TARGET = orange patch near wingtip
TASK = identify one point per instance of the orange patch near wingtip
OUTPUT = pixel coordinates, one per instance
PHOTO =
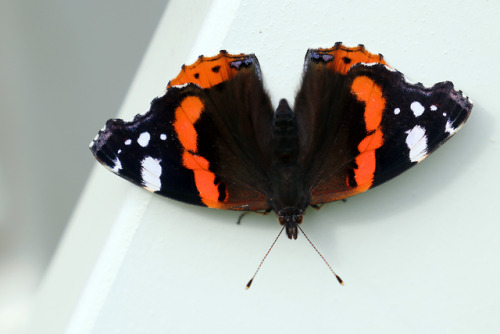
(207, 72)
(367, 91)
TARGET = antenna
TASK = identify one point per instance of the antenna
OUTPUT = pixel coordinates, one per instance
(261, 262)
(317, 251)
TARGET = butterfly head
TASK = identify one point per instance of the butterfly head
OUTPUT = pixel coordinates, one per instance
(290, 218)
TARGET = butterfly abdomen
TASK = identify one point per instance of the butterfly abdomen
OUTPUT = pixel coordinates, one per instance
(286, 172)
(285, 138)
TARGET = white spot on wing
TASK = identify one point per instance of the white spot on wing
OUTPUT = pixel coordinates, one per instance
(397, 111)
(143, 139)
(374, 64)
(128, 142)
(416, 140)
(434, 107)
(163, 136)
(118, 166)
(417, 108)
(151, 173)
(185, 85)
(449, 128)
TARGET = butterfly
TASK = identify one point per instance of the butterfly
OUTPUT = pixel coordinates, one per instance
(214, 138)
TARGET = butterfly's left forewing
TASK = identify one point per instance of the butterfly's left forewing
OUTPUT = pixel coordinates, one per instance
(205, 142)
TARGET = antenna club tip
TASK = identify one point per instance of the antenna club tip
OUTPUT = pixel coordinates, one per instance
(340, 280)
(248, 284)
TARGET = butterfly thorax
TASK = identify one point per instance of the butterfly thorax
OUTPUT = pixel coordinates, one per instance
(288, 198)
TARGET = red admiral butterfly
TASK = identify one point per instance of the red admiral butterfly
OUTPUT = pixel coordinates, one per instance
(215, 140)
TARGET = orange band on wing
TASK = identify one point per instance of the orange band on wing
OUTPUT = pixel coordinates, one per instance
(203, 177)
(366, 162)
(371, 94)
(367, 91)
(186, 115)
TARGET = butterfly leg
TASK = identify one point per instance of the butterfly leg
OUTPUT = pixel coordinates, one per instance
(317, 206)
(262, 213)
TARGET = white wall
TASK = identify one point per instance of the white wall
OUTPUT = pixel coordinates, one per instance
(418, 254)
(64, 67)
